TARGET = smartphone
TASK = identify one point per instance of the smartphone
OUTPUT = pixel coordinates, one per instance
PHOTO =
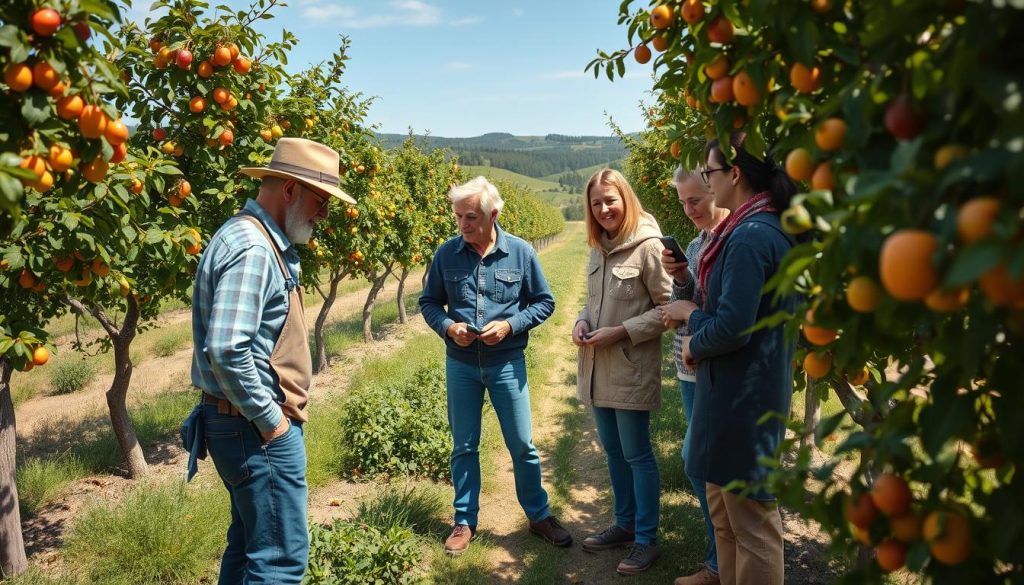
(673, 246)
(473, 328)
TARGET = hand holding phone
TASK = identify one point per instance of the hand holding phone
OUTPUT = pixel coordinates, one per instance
(673, 246)
(472, 328)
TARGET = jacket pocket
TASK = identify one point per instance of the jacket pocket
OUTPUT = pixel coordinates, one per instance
(457, 285)
(624, 370)
(507, 284)
(227, 449)
(625, 282)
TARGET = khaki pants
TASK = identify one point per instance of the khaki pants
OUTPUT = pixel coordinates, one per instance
(748, 535)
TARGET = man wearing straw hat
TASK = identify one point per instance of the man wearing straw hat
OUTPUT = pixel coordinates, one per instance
(252, 361)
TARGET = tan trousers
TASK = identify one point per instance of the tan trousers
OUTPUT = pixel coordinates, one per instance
(748, 535)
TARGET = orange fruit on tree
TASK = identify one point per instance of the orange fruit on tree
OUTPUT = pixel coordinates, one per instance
(155, 44)
(64, 264)
(116, 132)
(197, 104)
(168, 147)
(863, 535)
(948, 535)
(745, 90)
(948, 301)
(906, 527)
(891, 554)
(692, 11)
(720, 30)
(40, 356)
(676, 149)
(1001, 288)
(26, 279)
(661, 16)
(45, 21)
(18, 76)
(205, 69)
(136, 187)
(70, 107)
(822, 177)
(95, 171)
(821, 6)
(159, 134)
(948, 153)
(905, 264)
(860, 510)
(60, 158)
(817, 365)
(819, 335)
(242, 65)
(86, 278)
(659, 42)
(93, 122)
(830, 134)
(718, 67)
(975, 218)
(45, 76)
(221, 56)
(221, 95)
(266, 135)
(184, 188)
(642, 54)
(178, 150)
(721, 90)
(34, 163)
(226, 137)
(57, 91)
(43, 183)
(174, 200)
(233, 51)
(860, 378)
(891, 494)
(804, 79)
(799, 165)
(100, 268)
(863, 294)
(230, 104)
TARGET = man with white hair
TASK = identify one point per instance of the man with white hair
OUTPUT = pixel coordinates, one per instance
(484, 292)
(252, 363)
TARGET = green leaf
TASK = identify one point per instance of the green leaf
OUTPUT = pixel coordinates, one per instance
(972, 262)
(35, 108)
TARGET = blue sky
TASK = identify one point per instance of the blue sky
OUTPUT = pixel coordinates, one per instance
(463, 68)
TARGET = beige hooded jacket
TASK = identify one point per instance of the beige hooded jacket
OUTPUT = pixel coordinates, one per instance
(624, 287)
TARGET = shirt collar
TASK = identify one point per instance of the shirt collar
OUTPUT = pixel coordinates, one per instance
(500, 240)
(276, 233)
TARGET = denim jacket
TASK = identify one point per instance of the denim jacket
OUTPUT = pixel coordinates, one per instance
(505, 285)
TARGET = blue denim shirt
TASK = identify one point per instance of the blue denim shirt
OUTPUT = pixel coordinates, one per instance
(239, 306)
(506, 285)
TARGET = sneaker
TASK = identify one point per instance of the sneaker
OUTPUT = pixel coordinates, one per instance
(612, 537)
(702, 577)
(458, 541)
(638, 560)
(550, 530)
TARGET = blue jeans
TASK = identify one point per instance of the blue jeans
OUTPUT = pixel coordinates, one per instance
(510, 395)
(626, 438)
(268, 540)
(699, 486)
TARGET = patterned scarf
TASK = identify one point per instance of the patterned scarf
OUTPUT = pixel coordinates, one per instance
(760, 203)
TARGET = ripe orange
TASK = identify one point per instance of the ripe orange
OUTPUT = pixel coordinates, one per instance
(949, 537)
(799, 165)
(230, 104)
(863, 294)
(221, 56)
(860, 510)
(233, 51)
(184, 188)
(226, 137)
(642, 54)
(676, 149)
(659, 42)
(891, 495)
(830, 134)
(821, 6)
(70, 107)
(746, 91)
(45, 21)
(45, 76)
(95, 171)
(197, 104)
(266, 135)
(822, 177)
(116, 132)
(34, 163)
(948, 301)
(64, 264)
(804, 79)
(720, 30)
(975, 218)
(174, 200)
(18, 76)
(155, 44)
(60, 158)
(136, 187)
(721, 90)
(891, 554)
(167, 147)
(242, 65)
(93, 122)
(948, 153)
(906, 527)
(905, 264)
(40, 356)
(205, 69)
(817, 366)
(1000, 288)
(220, 95)
(100, 268)
(57, 91)
(819, 335)
(44, 182)
(159, 134)
(178, 150)
(860, 378)
(718, 67)
(661, 16)
(692, 11)
(26, 279)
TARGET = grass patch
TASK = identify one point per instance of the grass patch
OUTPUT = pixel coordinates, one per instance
(348, 332)
(159, 534)
(71, 375)
(172, 340)
(420, 507)
(36, 576)
(42, 480)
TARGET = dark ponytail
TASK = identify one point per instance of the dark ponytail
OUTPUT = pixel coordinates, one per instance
(761, 175)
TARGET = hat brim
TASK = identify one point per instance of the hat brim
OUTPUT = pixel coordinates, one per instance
(259, 172)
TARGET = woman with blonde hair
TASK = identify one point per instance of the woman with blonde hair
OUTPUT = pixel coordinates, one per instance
(619, 365)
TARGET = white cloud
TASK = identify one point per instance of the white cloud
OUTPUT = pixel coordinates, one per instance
(457, 66)
(518, 12)
(466, 20)
(573, 74)
(322, 12)
(396, 13)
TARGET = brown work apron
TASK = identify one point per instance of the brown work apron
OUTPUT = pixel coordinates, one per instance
(291, 359)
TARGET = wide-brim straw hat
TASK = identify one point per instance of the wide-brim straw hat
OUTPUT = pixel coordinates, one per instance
(310, 163)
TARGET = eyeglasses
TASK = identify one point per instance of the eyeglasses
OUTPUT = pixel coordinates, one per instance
(323, 201)
(705, 172)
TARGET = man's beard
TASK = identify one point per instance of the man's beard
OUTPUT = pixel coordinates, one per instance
(298, 230)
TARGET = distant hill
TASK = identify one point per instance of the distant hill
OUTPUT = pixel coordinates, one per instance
(533, 156)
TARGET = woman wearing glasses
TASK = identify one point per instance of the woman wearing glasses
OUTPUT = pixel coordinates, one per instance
(699, 206)
(742, 375)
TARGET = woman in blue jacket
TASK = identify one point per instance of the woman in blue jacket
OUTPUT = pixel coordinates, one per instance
(742, 375)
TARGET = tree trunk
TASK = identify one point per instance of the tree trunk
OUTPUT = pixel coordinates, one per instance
(320, 359)
(117, 394)
(426, 270)
(812, 414)
(403, 318)
(12, 544)
(371, 299)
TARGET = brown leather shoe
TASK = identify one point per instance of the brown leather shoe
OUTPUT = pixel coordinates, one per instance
(702, 577)
(458, 541)
(550, 530)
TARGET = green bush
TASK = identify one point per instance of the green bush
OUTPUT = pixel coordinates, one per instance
(398, 429)
(163, 534)
(71, 375)
(350, 553)
(41, 480)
